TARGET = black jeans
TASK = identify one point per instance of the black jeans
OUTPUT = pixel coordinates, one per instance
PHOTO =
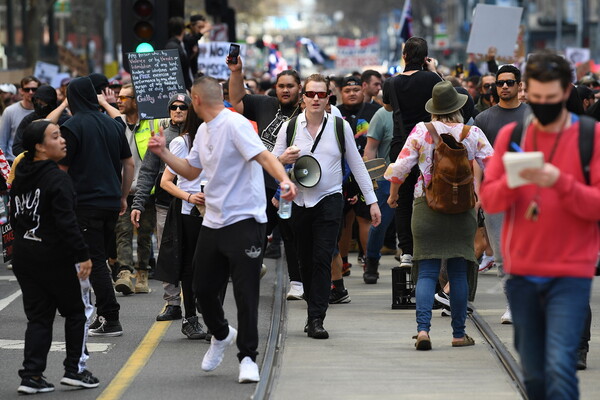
(98, 227)
(237, 250)
(316, 232)
(47, 288)
(404, 212)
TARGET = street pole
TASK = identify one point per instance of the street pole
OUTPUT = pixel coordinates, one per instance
(559, 25)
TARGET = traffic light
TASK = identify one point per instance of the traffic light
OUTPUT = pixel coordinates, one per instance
(144, 25)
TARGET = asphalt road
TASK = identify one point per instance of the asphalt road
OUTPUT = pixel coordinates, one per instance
(162, 368)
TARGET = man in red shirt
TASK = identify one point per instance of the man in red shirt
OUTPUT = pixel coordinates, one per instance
(550, 234)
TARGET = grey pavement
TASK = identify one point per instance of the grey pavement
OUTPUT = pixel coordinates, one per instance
(370, 353)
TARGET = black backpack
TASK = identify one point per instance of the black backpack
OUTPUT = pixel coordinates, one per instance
(339, 134)
(587, 126)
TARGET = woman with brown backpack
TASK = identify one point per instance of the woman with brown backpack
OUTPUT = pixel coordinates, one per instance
(444, 219)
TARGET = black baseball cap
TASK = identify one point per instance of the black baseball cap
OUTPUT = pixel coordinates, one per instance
(351, 81)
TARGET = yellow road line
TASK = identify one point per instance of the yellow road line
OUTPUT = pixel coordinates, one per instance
(138, 359)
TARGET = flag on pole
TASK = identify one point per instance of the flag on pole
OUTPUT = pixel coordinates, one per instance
(406, 20)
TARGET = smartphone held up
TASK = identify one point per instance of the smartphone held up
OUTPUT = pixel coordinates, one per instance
(234, 53)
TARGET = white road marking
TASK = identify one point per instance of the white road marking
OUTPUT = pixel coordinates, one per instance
(10, 278)
(7, 300)
(56, 346)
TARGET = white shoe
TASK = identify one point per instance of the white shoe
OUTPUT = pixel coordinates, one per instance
(248, 371)
(214, 356)
(487, 262)
(296, 291)
(506, 318)
(263, 270)
(406, 260)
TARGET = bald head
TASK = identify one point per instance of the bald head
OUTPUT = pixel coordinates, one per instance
(208, 90)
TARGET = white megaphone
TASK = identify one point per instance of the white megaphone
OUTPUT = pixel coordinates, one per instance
(306, 171)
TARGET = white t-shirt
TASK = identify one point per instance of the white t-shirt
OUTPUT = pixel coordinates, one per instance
(180, 147)
(224, 149)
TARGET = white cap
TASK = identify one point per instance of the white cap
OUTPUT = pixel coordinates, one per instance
(8, 88)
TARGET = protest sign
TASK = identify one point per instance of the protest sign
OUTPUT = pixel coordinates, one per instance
(212, 56)
(156, 77)
(8, 237)
(354, 54)
(45, 72)
(484, 31)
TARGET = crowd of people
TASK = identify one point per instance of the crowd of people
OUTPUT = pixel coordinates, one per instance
(90, 177)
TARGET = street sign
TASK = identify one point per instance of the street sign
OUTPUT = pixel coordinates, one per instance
(62, 9)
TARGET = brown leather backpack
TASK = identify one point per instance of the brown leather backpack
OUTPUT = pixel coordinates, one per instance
(451, 189)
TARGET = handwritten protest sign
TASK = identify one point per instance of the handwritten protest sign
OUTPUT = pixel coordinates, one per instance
(211, 58)
(156, 77)
(484, 32)
(354, 54)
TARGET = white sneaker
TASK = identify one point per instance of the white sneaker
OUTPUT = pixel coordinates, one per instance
(214, 355)
(506, 318)
(296, 291)
(487, 262)
(406, 260)
(263, 270)
(248, 371)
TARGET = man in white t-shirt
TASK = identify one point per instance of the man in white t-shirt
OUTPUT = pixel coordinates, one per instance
(231, 155)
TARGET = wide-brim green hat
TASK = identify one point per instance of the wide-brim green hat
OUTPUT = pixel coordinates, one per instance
(445, 99)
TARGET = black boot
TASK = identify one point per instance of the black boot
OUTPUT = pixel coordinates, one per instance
(315, 329)
(581, 359)
(371, 275)
(170, 313)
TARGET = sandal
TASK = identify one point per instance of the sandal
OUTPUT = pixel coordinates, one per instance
(466, 341)
(423, 342)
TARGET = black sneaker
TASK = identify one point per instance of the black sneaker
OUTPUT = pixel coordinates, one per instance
(192, 328)
(339, 296)
(443, 298)
(208, 336)
(107, 328)
(83, 379)
(170, 313)
(95, 323)
(30, 385)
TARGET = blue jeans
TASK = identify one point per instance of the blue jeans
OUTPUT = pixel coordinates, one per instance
(377, 234)
(548, 319)
(429, 270)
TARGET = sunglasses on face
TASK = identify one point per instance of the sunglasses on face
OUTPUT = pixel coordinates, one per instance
(312, 94)
(174, 107)
(487, 86)
(124, 98)
(509, 83)
(30, 89)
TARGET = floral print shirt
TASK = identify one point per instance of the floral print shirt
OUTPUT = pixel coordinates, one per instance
(419, 146)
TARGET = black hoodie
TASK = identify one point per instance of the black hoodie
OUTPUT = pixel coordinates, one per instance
(96, 144)
(48, 95)
(42, 216)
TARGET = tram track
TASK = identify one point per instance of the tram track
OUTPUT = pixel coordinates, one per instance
(506, 359)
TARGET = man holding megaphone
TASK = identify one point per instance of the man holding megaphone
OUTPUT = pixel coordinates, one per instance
(317, 209)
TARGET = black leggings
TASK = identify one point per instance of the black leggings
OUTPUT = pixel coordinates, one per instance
(190, 227)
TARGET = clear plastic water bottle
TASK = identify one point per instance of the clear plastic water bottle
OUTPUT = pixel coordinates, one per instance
(285, 206)
(3, 214)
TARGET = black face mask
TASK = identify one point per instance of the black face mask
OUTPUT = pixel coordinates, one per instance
(41, 110)
(547, 113)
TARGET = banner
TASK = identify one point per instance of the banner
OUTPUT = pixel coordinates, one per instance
(353, 54)
(212, 58)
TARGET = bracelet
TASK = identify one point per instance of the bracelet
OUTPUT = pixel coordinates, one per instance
(190, 195)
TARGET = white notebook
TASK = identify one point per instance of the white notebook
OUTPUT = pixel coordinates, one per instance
(514, 163)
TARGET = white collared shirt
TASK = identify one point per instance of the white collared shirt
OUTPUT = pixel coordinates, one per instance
(328, 155)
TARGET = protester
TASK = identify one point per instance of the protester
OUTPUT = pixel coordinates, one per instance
(550, 236)
(50, 260)
(438, 235)
(231, 154)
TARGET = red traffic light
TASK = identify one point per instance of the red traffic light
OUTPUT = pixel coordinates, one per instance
(143, 8)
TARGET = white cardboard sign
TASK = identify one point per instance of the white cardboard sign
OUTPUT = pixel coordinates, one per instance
(495, 26)
(211, 58)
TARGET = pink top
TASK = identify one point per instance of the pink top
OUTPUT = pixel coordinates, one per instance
(419, 149)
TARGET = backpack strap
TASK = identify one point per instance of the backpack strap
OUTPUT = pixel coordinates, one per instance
(290, 133)
(339, 135)
(465, 132)
(434, 135)
(515, 137)
(587, 128)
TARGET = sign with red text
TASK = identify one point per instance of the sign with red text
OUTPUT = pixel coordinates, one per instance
(353, 54)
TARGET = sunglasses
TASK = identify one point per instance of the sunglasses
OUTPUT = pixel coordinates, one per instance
(488, 85)
(174, 107)
(30, 89)
(124, 98)
(312, 94)
(509, 83)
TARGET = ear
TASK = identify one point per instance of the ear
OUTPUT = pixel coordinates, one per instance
(39, 148)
